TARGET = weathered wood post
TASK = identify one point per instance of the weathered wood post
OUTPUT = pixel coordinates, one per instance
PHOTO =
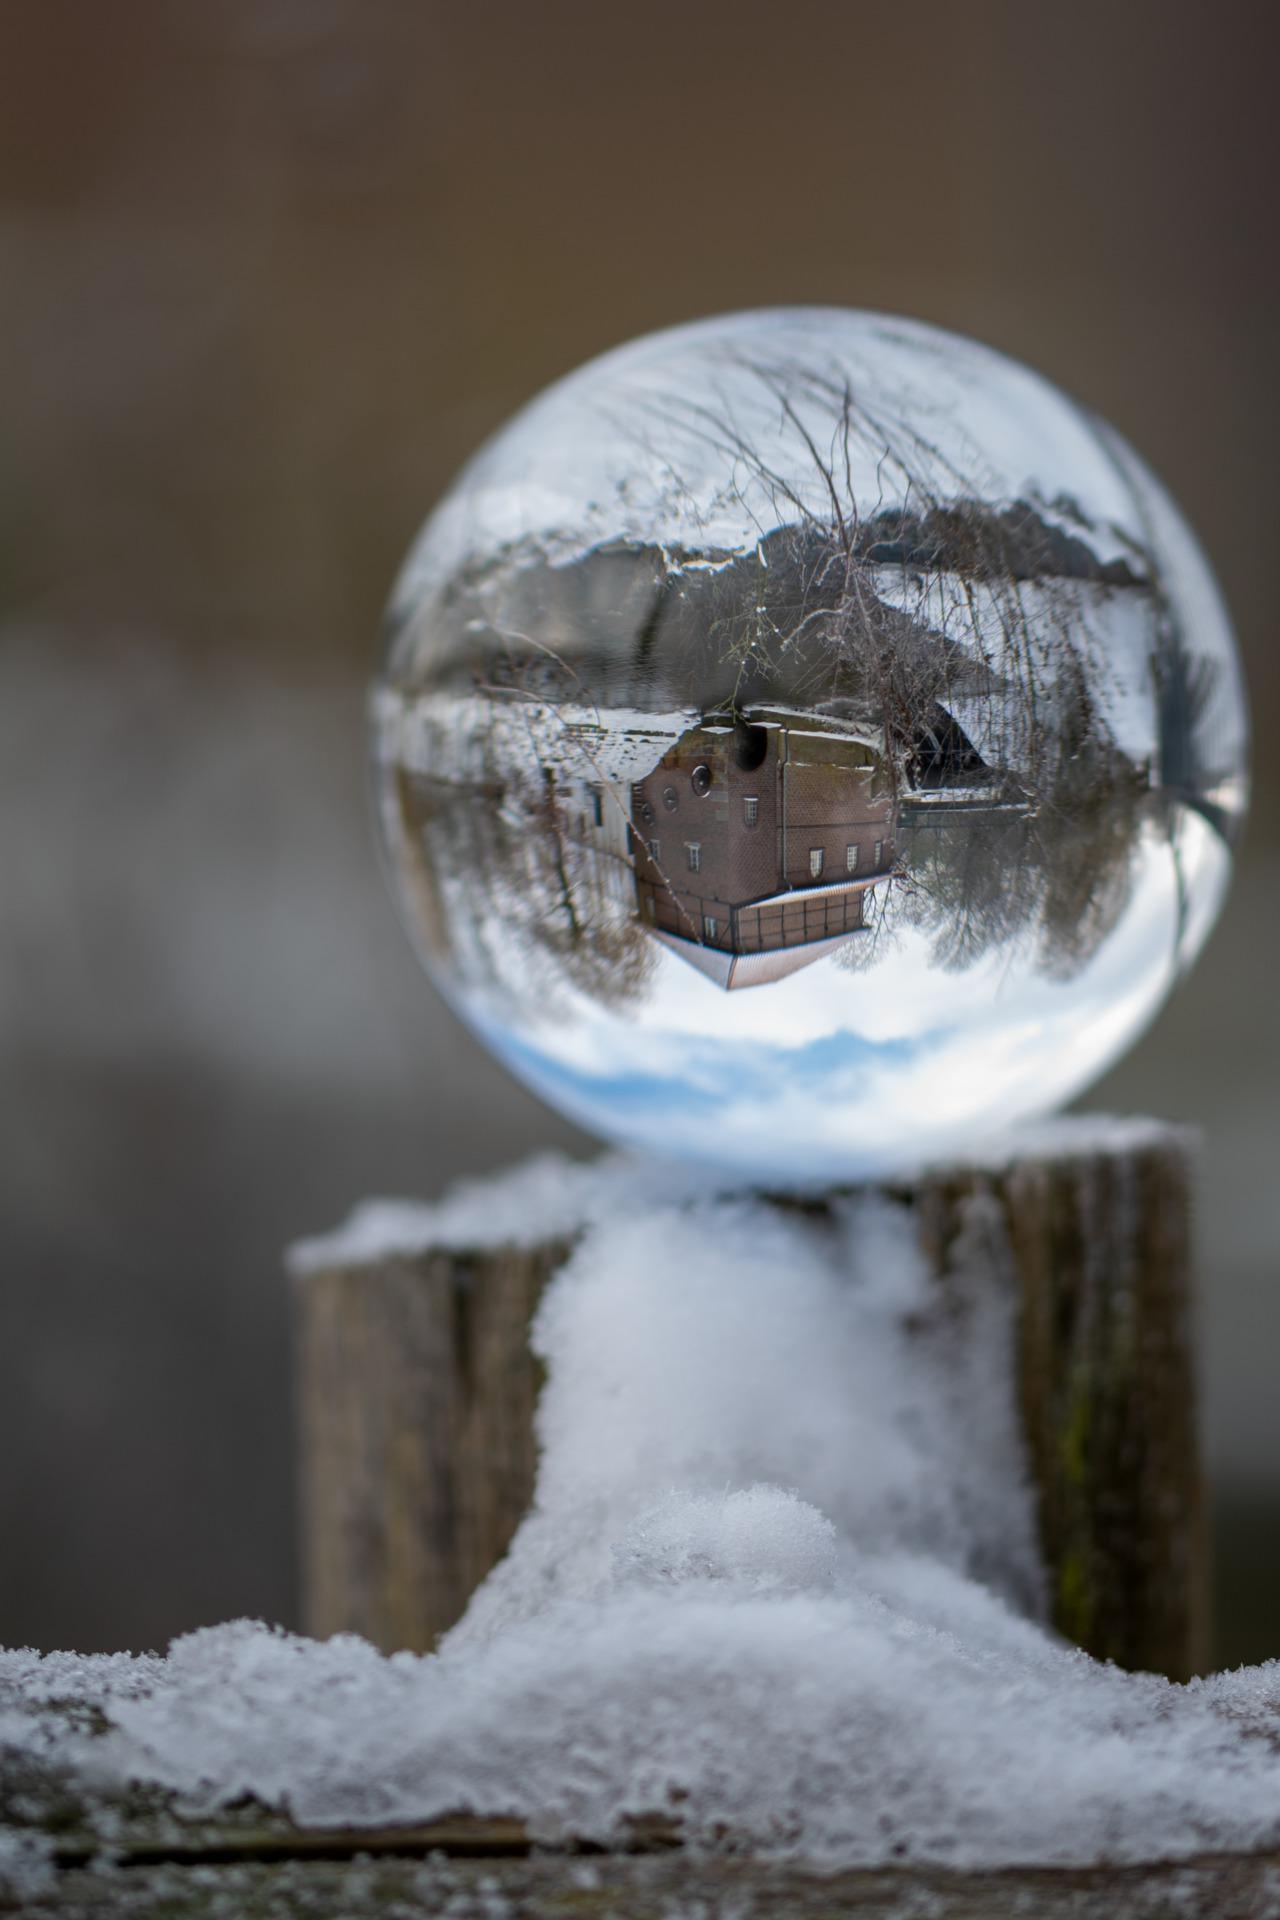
(417, 1390)
(418, 1395)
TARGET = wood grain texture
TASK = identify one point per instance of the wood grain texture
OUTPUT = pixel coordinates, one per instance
(137, 1852)
(1099, 1246)
(416, 1398)
(670, 1887)
(417, 1392)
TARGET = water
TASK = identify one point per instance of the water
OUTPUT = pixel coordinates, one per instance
(806, 741)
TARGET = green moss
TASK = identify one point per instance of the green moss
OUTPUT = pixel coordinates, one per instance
(1075, 1438)
(1073, 1613)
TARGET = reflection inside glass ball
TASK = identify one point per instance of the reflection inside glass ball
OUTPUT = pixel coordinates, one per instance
(807, 740)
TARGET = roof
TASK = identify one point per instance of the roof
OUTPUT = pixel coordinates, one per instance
(729, 970)
(790, 895)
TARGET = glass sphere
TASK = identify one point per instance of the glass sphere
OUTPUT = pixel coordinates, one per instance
(807, 740)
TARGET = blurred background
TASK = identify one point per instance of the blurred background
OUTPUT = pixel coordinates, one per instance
(269, 270)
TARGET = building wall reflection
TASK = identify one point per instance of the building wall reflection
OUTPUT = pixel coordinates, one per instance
(755, 845)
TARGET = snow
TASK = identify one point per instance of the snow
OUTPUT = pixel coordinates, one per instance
(552, 1197)
(27, 1871)
(779, 1579)
(549, 1197)
(461, 737)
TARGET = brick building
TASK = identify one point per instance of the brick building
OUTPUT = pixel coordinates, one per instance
(754, 847)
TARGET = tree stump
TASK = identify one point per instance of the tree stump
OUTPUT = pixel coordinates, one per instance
(417, 1389)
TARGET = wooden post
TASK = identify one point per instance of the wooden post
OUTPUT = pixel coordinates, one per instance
(417, 1391)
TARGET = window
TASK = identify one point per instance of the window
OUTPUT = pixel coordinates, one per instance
(700, 781)
(670, 799)
(694, 850)
(816, 862)
(879, 853)
(709, 926)
(751, 809)
(851, 857)
(654, 847)
(597, 806)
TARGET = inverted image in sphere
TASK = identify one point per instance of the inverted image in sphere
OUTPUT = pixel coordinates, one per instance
(806, 741)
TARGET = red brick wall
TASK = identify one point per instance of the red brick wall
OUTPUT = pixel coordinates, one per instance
(834, 795)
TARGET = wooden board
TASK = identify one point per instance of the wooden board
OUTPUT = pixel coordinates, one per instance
(137, 1855)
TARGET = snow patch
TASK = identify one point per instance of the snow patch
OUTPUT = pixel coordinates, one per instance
(551, 1197)
(27, 1870)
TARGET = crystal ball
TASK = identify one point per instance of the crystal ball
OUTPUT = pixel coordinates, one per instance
(806, 741)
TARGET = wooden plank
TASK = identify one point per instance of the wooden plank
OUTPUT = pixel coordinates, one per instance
(650, 1887)
(135, 1852)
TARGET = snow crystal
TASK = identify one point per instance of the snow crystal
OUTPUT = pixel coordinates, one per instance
(766, 1539)
(779, 1579)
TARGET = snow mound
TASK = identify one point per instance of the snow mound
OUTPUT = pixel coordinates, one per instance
(761, 1539)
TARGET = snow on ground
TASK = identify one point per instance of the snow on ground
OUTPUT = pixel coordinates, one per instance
(779, 1578)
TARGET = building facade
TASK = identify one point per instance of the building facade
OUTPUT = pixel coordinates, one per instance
(754, 847)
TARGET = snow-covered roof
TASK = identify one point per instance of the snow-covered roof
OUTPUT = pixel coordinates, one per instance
(729, 970)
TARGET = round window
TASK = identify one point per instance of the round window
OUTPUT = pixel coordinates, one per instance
(700, 781)
(670, 799)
